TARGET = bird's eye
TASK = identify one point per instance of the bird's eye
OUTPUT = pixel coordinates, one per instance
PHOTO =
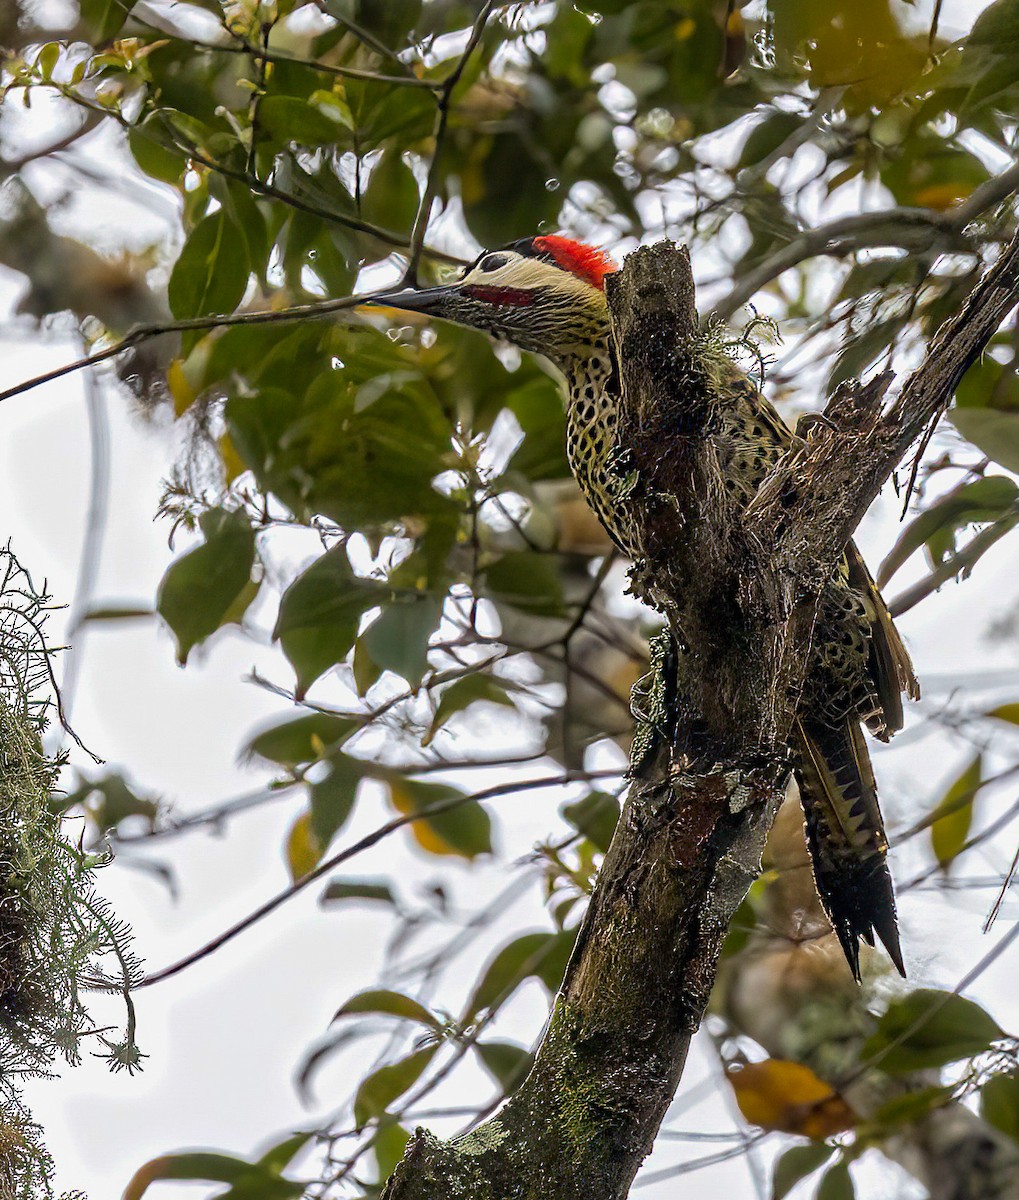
(492, 262)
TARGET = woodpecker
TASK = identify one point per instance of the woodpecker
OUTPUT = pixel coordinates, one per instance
(546, 294)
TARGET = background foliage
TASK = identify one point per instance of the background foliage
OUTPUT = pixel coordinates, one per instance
(849, 168)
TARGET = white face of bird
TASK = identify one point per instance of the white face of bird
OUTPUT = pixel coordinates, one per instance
(544, 294)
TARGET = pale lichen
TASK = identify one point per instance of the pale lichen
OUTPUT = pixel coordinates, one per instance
(479, 1141)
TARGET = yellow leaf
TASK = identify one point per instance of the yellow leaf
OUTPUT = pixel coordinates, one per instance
(303, 849)
(233, 464)
(421, 831)
(180, 387)
(789, 1097)
(1005, 712)
(942, 196)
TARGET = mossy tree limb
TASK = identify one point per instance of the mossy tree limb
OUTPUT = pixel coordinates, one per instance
(740, 594)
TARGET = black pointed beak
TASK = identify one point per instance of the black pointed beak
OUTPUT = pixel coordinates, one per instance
(431, 301)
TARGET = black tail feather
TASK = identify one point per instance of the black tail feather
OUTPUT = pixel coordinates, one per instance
(846, 836)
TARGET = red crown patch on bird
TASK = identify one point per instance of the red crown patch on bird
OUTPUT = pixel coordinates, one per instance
(586, 262)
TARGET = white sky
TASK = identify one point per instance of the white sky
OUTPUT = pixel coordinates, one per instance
(224, 1038)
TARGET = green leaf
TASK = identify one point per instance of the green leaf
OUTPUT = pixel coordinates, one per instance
(388, 1004)
(542, 452)
(465, 692)
(49, 56)
(506, 1062)
(380, 113)
(953, 815)
(398, 640)
(912, 1107)
(465, 829)
(155, 151)
(332, 798)
(339, 890)
(767, 135)
(246, 219)
(999, 1103)
(195, 1164)
(118, 612)
(249, 1181)
(742, 925)
(981, 501)
(526, 580)
(390, 1142)
(796, 1164)
(303, 740)
(211, 275)
(532, 955)
(495, 213)
(392, 22)
(287, 119)
(105, 18)
(320, 614)
(836, 1183)
(391, 197)
(388, 1083)
(997, 27)
(210, 586)
(929, 1028)
(994, 433)
(280, 1156)
(594, 816)
(109, 800)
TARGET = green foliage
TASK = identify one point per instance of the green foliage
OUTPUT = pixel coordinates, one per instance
(540, 956)
(928, 1028)
(595, 817)
(212, 585)
(259, 1180)
(451, 822)
(507, 1063)
(303, 739)
(836, 1183)
(999, 1103)
(995, 433)
(795, 1164)
(953, 816)
(344, 890)
(320, 614)
(378, 1091)
(463, 693)
(936, 527)
(390, 1004)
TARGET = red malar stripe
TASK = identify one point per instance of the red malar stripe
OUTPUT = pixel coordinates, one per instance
(499, 295)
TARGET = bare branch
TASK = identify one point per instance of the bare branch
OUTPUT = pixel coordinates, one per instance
(144, 333)
(424, 212)
(915, 229)
(371, 839)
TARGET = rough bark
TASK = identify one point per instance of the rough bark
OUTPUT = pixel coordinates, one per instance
(710, 766)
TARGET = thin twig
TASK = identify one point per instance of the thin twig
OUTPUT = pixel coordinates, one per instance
(95, 529)
(144, 333)
(366, 843)
(341, 72)
(424, 212)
